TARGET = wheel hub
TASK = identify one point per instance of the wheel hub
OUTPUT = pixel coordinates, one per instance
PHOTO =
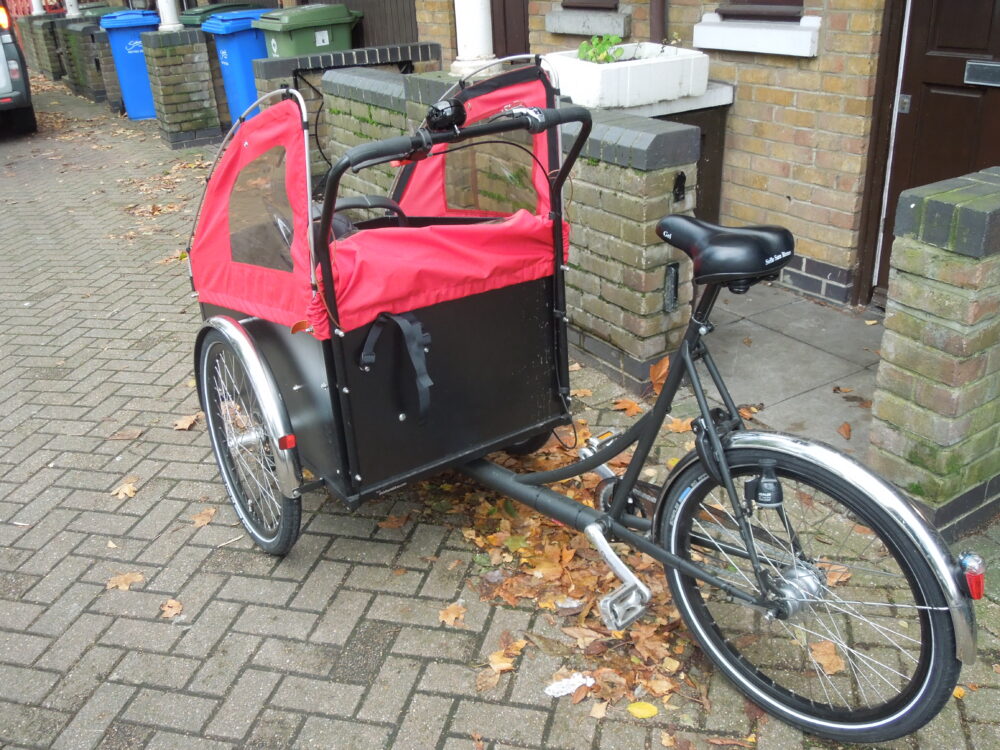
(799, 587)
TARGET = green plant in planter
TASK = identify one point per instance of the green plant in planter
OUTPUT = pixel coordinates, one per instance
(601, 49)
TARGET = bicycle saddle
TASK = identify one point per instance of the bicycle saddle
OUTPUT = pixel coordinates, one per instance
(728, 254)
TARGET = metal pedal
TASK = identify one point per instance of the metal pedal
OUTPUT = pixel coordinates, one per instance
(627, 603)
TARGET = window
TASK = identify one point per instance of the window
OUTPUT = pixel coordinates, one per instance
(772, 10)
(591, 4)
(260, 217)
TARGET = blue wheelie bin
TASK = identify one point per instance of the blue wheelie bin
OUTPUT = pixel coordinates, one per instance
(238, 44)
(124, 28)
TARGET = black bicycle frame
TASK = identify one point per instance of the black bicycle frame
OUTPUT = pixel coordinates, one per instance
(615, 522)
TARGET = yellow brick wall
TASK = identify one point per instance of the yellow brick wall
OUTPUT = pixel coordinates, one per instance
(798, 133)
(436, 23)
(542, 42)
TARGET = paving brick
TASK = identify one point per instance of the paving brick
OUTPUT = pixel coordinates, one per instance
(30, 725)
(273, 621)
(296, 656)
(274, 729)
(154, 670)
(340, 617)
(244, 702)
(424, 722)
(390, 690)
(90, 723)
(221, 669)
(500, 722)
(341, 735)
(186, 713)
(83, 678)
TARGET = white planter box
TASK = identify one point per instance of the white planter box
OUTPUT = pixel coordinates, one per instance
(646, 73)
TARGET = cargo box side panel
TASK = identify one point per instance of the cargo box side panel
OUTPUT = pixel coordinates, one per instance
(492, 360)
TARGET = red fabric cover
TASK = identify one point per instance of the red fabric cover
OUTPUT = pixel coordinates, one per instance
(424, 194)
(398, 269)
(278, 296)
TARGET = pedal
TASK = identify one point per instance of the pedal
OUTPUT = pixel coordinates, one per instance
(627, 603)
(593, 445)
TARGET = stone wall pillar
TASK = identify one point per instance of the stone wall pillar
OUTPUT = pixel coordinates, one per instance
(474, 34)
(936, 410)
(27, 38)
(104, 62)
(46, 48)
(181, 80)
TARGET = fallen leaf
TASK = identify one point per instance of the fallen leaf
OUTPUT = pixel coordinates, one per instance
(112, 545)
(825, 654)
(667, 739)
(500, 662)
(170, 608)
(580, 694)
(599, 710)
(845, 430)
(729, 742)
(399, 571)
(477, 741)
(959, 692)
(835, 573)
(186, 423)
(581, 392)
(126, 489)
(643, 710)
(839, 389)
(203, 517)
(630, 407)
(678, 425)
(124, 581)
(454, 564)
(129, 433)
(996, 668)
(575, 367)
(394, 522)
(865, 404)
(747, 341)
(658, 374)
(487, 679)
(453, 615)
(871, 322)
(191, 383)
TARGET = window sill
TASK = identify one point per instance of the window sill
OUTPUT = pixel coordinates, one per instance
(768, 37)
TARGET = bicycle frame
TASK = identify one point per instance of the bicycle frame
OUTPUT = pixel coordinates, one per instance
(527, 488)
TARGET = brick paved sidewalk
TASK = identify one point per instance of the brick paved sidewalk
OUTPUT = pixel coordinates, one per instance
(326, 648)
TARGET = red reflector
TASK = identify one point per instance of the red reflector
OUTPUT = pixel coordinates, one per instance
(6, 100)
(4, 19)
(976, 583)
(286, 442)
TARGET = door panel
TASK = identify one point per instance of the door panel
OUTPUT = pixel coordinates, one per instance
(510, 27)
(951, 127)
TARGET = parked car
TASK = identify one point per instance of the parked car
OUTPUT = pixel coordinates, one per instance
(16, 111)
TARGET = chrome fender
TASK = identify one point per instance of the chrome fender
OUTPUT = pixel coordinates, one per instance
(273, 409)
(899, 508)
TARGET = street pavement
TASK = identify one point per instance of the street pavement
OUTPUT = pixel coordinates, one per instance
(329, 647)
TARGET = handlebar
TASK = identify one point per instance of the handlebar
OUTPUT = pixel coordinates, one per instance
(533, 120)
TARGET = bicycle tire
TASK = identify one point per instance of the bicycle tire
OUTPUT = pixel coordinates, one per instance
(857, 583)
(244, 448)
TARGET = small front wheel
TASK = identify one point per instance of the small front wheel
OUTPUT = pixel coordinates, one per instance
(244, 447)
(862, 647)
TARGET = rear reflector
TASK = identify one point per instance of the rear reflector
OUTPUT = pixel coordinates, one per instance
(4, 18)
(286, 442)
(974, 568)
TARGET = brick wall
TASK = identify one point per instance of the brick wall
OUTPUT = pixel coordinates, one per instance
(936, 411)
(181, 80)
(798, 137)
(619, 272)
(46, 50)
(542, 41)
(27, 38)
(436, 23)
(105, 62)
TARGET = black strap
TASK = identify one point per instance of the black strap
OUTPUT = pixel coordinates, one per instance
(417, 343)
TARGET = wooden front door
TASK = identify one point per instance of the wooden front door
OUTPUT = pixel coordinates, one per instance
(510, 27)
(945, 127)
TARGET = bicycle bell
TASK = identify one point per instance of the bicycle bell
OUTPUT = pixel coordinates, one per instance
(447, 114)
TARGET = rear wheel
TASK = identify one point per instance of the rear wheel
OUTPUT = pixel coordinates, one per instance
(864, 649)
(244, 447)
(21, 121)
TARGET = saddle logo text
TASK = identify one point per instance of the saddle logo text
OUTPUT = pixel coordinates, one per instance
(779, 256)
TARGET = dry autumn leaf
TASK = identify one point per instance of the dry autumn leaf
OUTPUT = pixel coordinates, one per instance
(835, 573)
(667, 739)
(630, 407)
(171, 608)
(845, 430)
(658, 374)
(643, 710)
(203, 517)
(124, 581)
(394, 522)
(487, 679)
(599, 710)
(581, 392)
(126, 489)
(959, 692)
(453, 615)
(825, 654)
(580, 694)
(186, 423)
(678, 425)
(839, 389)
(747, 341)
(575, 367)
(871, 322)
(128, 433)
(477, 741)
(729, 742)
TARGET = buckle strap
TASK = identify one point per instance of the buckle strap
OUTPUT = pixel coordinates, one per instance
(417, 342)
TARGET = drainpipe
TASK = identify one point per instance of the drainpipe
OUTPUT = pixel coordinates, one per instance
(72, 8)
(474, 36)
(169, 18)
(658, 13)
(37, 9)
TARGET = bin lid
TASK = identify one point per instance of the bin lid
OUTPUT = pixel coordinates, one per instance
(304, 16)
(123, 19)
(232, 21)
(197, 16)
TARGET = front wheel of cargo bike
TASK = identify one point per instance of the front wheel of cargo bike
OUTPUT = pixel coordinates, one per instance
(868, 651)
(244, 448)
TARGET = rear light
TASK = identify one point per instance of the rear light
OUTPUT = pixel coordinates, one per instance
(15, 70)
(286, 442)
(4, 19)
(974, 569)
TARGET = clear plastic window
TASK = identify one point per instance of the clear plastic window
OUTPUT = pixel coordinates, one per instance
(260, 216)
(492, 175)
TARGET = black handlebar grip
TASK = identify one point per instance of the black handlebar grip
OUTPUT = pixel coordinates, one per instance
(399, 147)
(553, 117)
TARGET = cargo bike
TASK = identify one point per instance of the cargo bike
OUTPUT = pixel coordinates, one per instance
(358, 353)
